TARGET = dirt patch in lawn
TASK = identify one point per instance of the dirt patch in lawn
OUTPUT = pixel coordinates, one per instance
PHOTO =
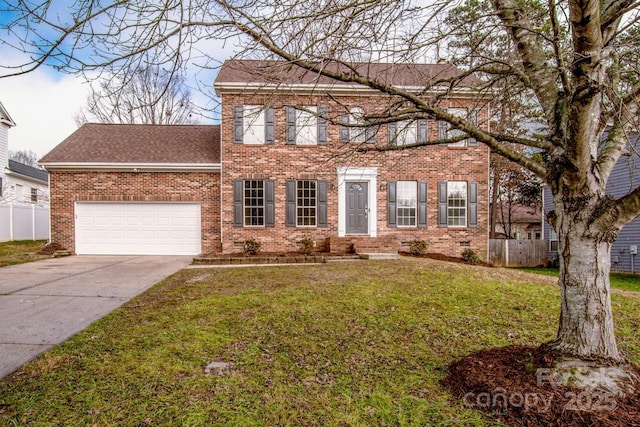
(510, 382)
(441, 257)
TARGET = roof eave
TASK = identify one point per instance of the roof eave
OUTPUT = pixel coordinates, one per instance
(9, 172)
(337, 89)
(132, 167)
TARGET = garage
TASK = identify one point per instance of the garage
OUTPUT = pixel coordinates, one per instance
(137, 228)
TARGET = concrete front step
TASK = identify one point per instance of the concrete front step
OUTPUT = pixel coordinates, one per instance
(379, 255)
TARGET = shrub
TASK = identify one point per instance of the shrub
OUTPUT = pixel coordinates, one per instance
(252, 246)
(306, 245)
(418, 247)
(470, 256)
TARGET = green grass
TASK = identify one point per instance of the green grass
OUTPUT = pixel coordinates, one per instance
(626, 282)
(342, 344)
(20, 251)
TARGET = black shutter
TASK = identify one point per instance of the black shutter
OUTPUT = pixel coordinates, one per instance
(322, 204)
(423, 130)
(291, 125)
(269, 204)
(344, 129)
(442, 204)
(269, 126)
(238, 124)
(391, 133)
(322, 125)
(238, 198)
(473, 204)
(290, 220)
(370, 133)
(422, 204)
(392, 220)
(443, 127)
(473, 118)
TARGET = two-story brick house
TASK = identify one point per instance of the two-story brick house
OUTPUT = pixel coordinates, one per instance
(286, 167)
(293, 171)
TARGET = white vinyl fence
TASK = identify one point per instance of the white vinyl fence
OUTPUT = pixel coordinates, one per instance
(23, 222)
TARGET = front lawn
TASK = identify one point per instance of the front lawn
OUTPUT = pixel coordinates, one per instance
(626, 282)
(361, 343)
(21, 251)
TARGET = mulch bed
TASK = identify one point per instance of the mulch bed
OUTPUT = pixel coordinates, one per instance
(441, 257)
(50, 249)
(510, 383)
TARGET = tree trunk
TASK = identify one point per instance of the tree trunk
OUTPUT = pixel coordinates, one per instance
(586, 329)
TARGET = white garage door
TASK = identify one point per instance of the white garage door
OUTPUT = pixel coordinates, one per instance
(137, 228)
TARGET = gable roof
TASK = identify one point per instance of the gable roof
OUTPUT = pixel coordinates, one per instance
(112, 145)
(28, 171)
(234, 73)
(5, 117)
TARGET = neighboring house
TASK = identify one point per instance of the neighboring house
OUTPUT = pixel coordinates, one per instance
(280, 168)
(19, 183)
(624, 178)
(518, 222)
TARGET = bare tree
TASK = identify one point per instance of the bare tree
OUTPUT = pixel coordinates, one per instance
(26, 157)
(571, 61)
(149, 95)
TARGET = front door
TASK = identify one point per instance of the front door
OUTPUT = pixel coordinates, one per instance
(357, 207)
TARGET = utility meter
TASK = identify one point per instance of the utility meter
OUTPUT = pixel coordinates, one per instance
(633, 249)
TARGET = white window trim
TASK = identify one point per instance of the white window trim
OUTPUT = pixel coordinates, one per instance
(452, 133)
(398, 207)
(253, 118)
(309, 116)
(369, 175)
(466, 207)
(403, 128)
(298, 181)
(356, 117)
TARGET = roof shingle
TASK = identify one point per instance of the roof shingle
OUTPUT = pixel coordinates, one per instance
(281, 72)
(30, 171)
(123, 143)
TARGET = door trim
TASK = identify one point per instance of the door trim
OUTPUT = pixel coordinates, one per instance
(369, 175)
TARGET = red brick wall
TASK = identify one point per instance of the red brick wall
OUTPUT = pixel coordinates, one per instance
(282, 162)
(69, 187)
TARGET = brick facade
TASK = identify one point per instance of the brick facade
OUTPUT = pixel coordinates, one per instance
(69, 187)
(281, 162)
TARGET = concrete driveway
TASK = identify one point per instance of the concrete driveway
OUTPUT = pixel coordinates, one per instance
(45, 302)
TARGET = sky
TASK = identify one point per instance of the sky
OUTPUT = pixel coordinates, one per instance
(42, 104)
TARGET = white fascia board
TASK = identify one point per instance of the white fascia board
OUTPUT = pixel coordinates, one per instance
(338, 89)
(9, 172)
(134, 167)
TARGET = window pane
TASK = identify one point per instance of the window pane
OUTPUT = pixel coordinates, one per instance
(453, 133)
(306, 203)
(307, 126)
(356, 116)
(406, 132)
(406, 200)
(457, 203)
(254, 202)
(253, 121)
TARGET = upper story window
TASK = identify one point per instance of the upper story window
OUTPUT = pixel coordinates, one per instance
(353, 129)
(307, 125)
(407, 132)
(457, 204)
(253, 124)
(446, 131)
(34, 195)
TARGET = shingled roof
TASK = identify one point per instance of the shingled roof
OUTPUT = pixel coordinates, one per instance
(28, 171)
(281, 72)
(138, 144)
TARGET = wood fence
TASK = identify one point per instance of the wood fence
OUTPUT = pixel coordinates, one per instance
(518, 253)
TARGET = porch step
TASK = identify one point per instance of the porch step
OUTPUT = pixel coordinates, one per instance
(379, 256)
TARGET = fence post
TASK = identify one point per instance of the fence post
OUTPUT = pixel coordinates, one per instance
(11, 233)
(33, 222)
(506, 252)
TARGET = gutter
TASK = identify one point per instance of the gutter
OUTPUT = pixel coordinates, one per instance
(132, 167)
